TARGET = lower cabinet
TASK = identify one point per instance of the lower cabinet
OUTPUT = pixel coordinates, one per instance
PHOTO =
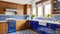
(3, 28)
(49, 29)
(51, 26)
(58, 26)
(20, 25)
(27, 24)
(34, 25)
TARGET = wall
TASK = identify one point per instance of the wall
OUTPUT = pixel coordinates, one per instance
(34, 6)
(4, 5)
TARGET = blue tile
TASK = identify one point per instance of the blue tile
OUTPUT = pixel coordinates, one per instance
(17, 17)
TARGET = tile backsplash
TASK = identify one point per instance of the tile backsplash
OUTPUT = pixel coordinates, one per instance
(57, 16)
(17, 17)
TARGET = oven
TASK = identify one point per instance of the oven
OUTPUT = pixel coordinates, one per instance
(11, 26)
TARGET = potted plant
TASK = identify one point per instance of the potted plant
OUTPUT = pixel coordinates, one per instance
(33, 16)
(49, 15)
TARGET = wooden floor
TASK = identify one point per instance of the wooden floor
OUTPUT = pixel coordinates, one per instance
(25, 32)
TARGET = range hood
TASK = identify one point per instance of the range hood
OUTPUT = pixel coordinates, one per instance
(11, 9)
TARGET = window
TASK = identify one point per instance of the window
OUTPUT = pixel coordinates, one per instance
(40, 11)
(47, 10)
(44, 9)
(34, 11)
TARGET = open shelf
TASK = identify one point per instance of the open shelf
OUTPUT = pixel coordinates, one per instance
(56, 6)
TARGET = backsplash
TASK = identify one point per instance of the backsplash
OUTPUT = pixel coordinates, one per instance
(57, 16)
(17, 17)
(48, 19)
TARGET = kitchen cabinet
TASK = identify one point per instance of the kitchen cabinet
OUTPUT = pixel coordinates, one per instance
(3, 28)
(51, 26)
(57, 26)
(40, 28)
(55, 6)
(20, 25)
(27, 24)
(27, 9)
(4, 5)
(34, 25)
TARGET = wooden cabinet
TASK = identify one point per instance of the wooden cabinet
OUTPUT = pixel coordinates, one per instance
(3, 28)
(4, 5)
(27, 24)
(55, 6)
(20, 25)
(27, 9)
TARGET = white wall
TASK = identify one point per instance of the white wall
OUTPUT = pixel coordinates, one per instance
(19, 1)
(34, 6)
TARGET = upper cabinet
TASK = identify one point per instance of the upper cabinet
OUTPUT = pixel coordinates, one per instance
(27, 9)
(4, 5)
(56, 6)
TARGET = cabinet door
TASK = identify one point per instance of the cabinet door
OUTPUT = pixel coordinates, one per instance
(20, 25)
(57, 26)
(3, 28)
(27, 24)
(51, 26)
(34, 24)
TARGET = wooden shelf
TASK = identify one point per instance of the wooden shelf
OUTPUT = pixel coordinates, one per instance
(56, 6)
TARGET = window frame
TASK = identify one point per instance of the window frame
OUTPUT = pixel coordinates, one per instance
(43, 8)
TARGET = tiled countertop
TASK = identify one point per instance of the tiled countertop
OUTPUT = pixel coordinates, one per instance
(53, 22)
(6, 20)
(3, 21)
(45, 21)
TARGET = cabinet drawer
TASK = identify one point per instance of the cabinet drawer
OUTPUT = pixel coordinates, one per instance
(52, 26)
(57, 26)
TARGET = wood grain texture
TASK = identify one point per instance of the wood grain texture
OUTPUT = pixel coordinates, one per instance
(27, 24)
(3, 28)
(52, 8)
(26, 8)
(4, 5)
(20, 25)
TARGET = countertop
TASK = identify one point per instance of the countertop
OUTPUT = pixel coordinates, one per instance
(45, 21)
(15, 20)
(3, 21)
(53, 22)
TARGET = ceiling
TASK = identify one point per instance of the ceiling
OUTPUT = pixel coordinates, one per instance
(20, 1)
